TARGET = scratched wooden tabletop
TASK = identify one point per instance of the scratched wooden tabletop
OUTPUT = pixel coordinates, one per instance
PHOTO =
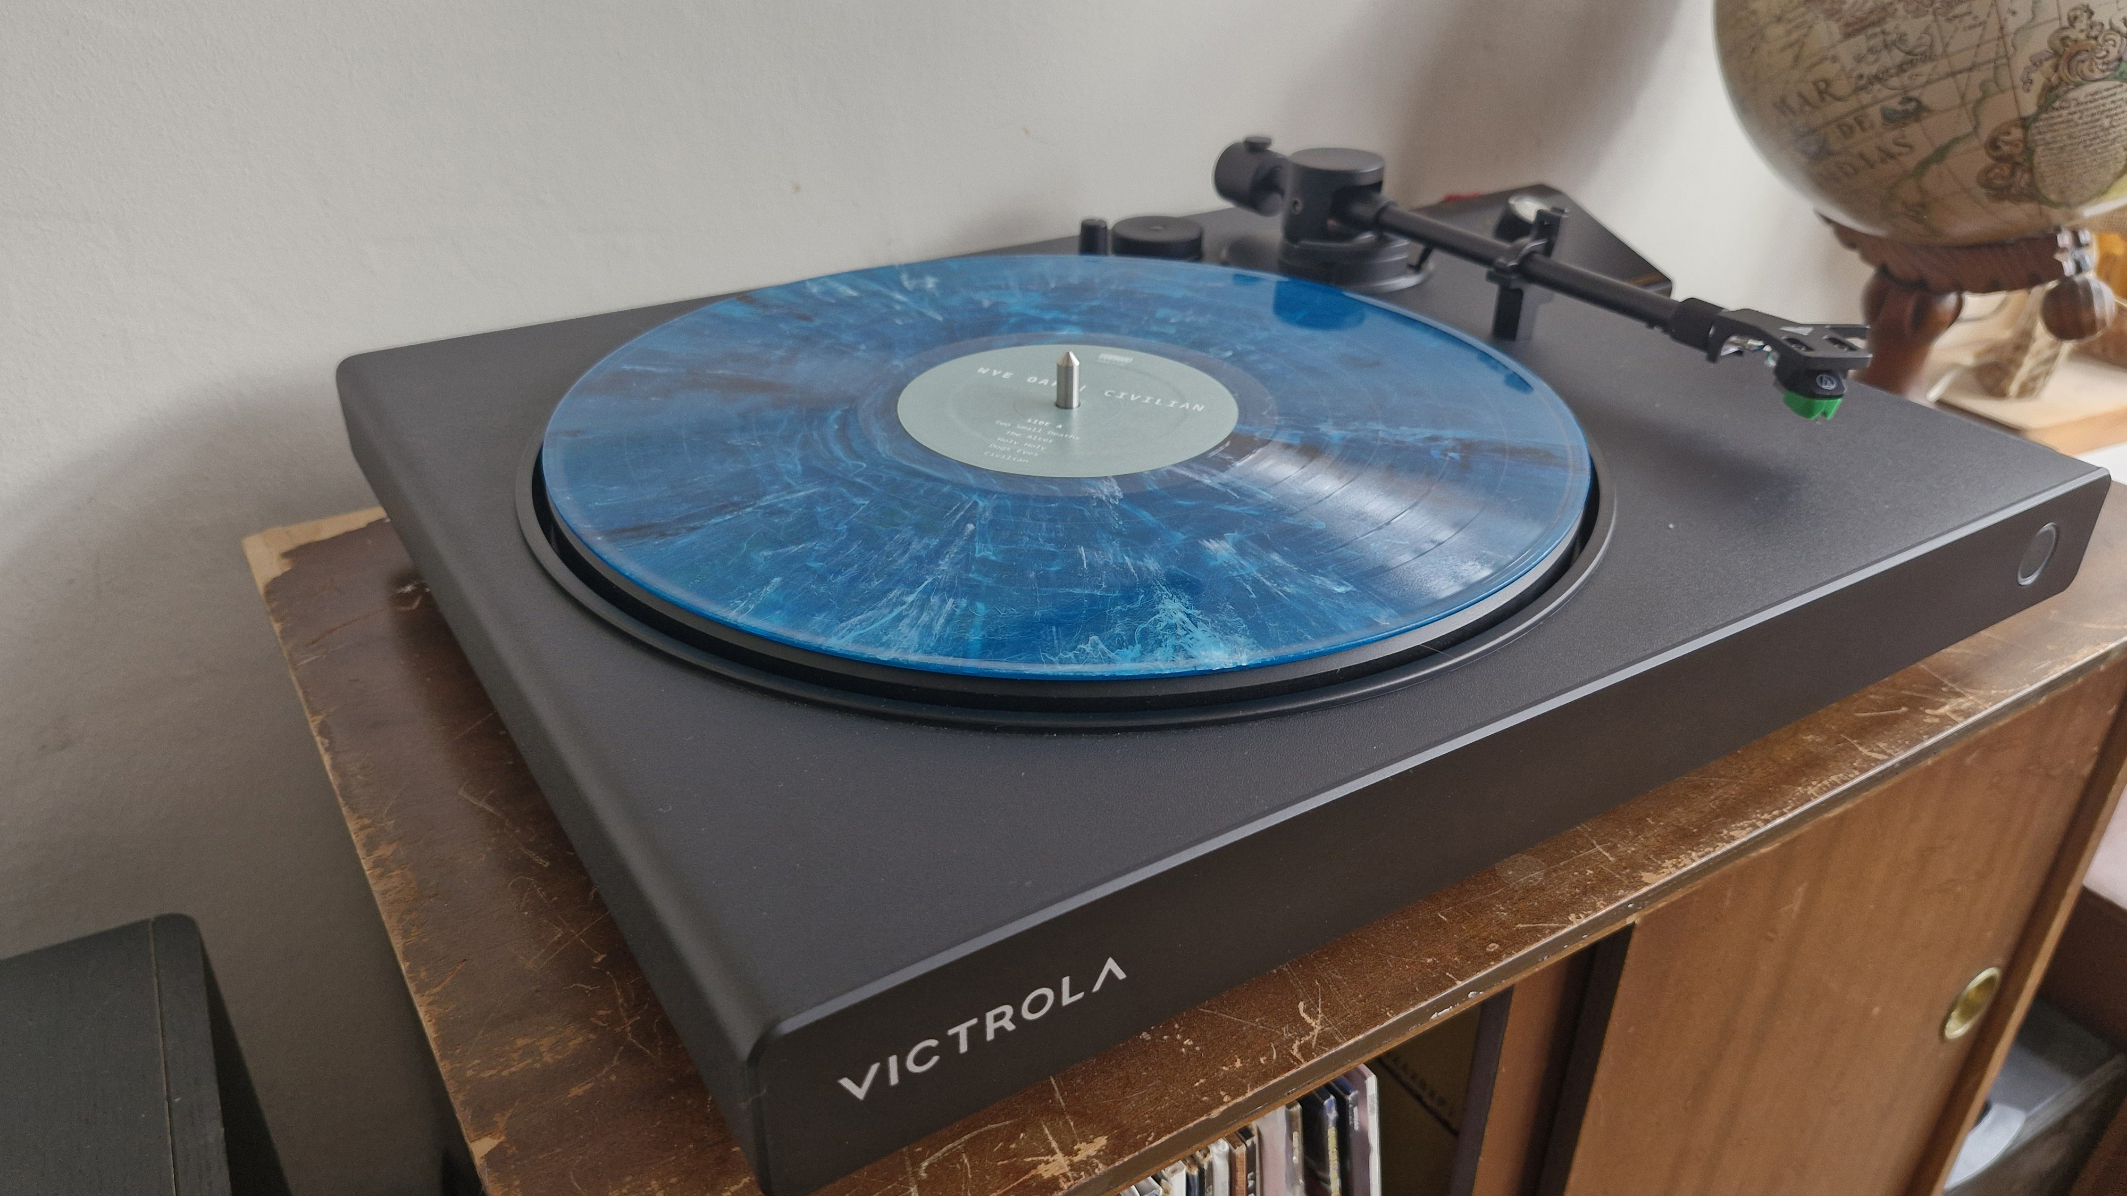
(567, 1079)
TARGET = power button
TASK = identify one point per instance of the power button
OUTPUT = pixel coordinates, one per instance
(2037, 553)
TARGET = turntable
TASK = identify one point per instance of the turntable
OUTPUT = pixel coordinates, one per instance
(947, 670)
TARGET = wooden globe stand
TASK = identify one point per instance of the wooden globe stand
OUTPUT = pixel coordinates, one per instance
(1918, 291)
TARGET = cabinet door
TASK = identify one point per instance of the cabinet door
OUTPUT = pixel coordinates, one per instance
(1779, 1028)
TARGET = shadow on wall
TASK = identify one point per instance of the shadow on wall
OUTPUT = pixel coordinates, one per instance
(159, 762)
(1489, 94)
(1503, 92)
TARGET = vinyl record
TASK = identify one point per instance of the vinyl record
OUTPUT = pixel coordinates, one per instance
(868, 474)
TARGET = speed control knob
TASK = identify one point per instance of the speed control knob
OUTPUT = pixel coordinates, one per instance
(1174, 237)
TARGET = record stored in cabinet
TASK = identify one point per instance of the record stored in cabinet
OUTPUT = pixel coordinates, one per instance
(946, 670)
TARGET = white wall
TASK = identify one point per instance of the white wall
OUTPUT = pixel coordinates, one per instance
(204, 206)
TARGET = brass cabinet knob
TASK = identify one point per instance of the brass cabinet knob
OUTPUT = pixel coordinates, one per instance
(1972, 1003)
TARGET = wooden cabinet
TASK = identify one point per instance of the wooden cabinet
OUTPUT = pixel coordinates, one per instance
(1779, 1028)
(1734, 983)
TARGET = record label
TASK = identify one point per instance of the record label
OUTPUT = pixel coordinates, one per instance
(997, 408)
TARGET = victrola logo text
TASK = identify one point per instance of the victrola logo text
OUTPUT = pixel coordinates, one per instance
(975, 1031)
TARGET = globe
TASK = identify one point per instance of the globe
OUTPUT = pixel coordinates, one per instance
(1941, 122)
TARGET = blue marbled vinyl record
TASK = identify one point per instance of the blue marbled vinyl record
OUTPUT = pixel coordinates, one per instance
(874, 466)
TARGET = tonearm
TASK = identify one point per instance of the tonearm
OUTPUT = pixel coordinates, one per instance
(1338, 227)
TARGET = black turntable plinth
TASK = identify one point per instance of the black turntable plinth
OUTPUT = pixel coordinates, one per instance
(870, 912)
